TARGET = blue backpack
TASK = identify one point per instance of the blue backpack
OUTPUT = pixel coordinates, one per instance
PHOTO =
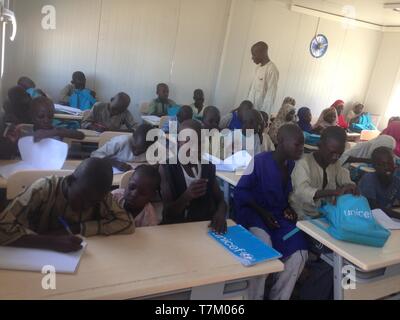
(364, 123)
(311, 139)
(351, 220)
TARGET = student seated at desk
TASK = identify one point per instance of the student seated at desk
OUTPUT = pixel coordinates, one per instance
(211, 118)
(76, 95)
(30, 87)
(249, 138)
(112, 116)
(328, 118)
(305, 117)
(185, 113)
(16, 108)
(355, 113)
(37, 217)
(190, 192)
(319, 176)
(234, 119)
(198, 104)
(338, 105)
(142, 198)
(362, 151)
(160, 106)
(382, 188)
(42, 115)
(124, 148)
(262, 206)
(286, 115)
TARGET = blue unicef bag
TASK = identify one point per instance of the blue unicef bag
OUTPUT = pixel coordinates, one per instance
(311, 139)
(351, 220)
(364, 123)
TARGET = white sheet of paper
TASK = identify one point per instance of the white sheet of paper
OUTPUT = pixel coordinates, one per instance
(239, 161)
(385, 221)
(34, 259)
(69, 110)
(48, 154)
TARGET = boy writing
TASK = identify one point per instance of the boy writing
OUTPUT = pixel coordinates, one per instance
(82, 200)
(113, 116)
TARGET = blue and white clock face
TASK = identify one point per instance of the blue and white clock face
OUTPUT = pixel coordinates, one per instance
(319, 46)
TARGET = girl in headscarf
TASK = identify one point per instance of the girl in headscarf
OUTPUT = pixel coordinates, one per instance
(285, 115)
(341, 119)
(393, 130)
(362, 152)
(305, 117)
(328, 118)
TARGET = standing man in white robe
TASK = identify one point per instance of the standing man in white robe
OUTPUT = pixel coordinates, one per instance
(265, 84)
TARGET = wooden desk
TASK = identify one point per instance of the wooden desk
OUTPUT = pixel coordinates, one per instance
(68, 165)
(64, 116)
(152, 262)
(364, 257)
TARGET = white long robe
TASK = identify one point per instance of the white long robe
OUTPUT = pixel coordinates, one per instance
(264, 87)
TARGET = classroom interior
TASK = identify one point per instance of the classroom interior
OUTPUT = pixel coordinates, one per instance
(131, 46)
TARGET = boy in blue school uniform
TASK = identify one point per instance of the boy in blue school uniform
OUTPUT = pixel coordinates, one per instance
(262, 206)
(382, 188)
(76, 95)
(234, 119)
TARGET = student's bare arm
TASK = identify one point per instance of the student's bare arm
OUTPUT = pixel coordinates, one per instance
(71, 134)
(218, 223)
(55, 243)
(57, 132)
(346, 189)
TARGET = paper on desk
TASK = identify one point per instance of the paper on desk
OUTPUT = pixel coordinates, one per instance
(385, 221)
(68, 110)
(240, 160)
(23, 259)
(48, 154)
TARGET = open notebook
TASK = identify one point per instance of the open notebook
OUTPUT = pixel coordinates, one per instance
(34, 259)
(245, 247)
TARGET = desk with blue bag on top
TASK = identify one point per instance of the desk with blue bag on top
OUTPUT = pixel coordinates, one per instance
(377, 269)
